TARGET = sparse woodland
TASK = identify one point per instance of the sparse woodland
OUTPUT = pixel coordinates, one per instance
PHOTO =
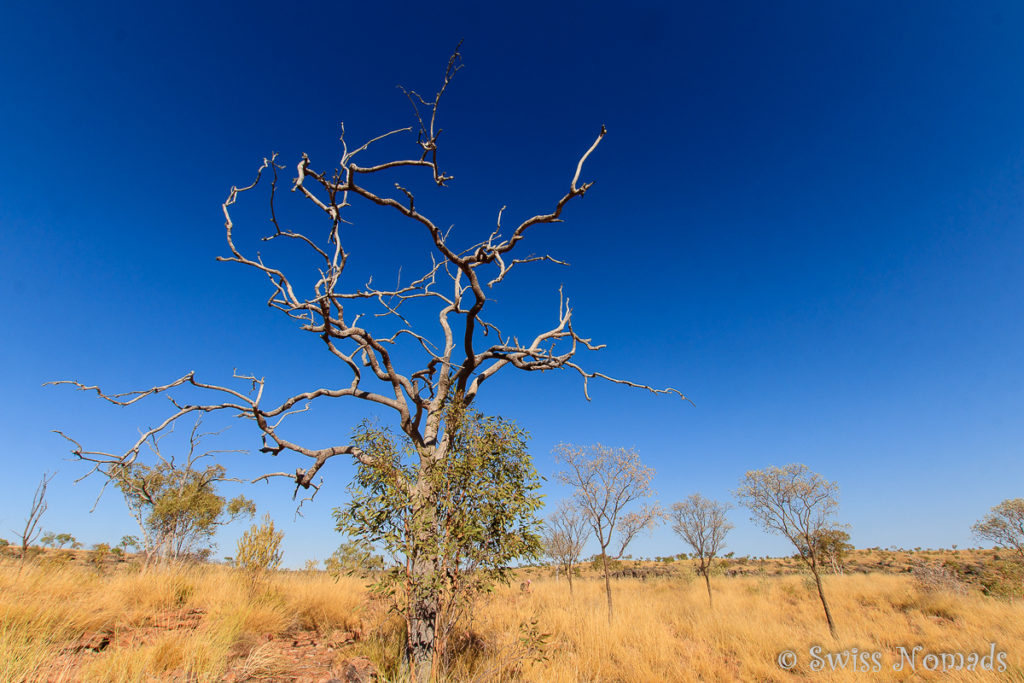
(446, 570)
(72, 621)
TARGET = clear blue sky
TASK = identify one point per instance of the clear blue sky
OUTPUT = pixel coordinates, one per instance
(807, 216)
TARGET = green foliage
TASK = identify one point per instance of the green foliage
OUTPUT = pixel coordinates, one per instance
(1004, 526)
(178, 507)
(1004, 580)
(353, 557)
(51, 539)
(833, 546)
(129, 542)
(466, 518)
(597, 563)
(259, 548)
(99, 554)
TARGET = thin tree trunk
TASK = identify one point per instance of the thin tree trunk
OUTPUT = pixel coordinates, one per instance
(824, 602)
(707, 582)
(607, 585)
(568, 575)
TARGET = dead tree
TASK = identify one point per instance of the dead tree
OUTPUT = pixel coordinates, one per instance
(30, 532)
(364, 327)
(702, 524)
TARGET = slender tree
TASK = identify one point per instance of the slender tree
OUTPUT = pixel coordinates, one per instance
(607, 481)
(483, 519)
(800, 505)
(175, 502)
(702, 524)
(1004, 525)
(833, 547)
(30, 532)
(412, 348)
(565, 534)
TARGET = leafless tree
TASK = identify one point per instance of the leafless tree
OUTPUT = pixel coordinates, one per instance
(800, 505)
(1004, 525)
(376, 332)
(564, 537)
(606, 481)
(702, 524)
(30, 532)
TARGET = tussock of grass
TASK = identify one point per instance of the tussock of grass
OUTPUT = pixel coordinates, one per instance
(196, 623)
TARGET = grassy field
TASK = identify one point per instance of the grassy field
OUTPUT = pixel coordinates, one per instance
(209, 623)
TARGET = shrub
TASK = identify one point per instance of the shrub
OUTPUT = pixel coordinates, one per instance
(1003, 580)
(353, 558)
(58, 558)
(936, 577)
(99, 554)
(259, 548)
(597, 564)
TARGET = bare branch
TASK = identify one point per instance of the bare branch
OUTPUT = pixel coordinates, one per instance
(453, 363)
(30, 532)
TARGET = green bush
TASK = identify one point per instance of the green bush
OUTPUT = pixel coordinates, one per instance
(1004, 580)
(259, 548)
(99, 554)
(597, 564)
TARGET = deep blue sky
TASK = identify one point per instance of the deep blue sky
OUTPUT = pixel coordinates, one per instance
(807, 216)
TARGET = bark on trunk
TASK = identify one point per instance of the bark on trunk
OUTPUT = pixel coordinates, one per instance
(568, 575)
(422, 622)
(824, 602)
(707, 582)
(607, 585)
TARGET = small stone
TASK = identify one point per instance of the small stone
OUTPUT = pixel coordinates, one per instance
(359, 670)
(339, 638)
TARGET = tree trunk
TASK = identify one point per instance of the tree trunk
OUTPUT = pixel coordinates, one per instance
(421, 619)
(607, 584)
(707, 582)
(568, 575)
(422, 624)
(824, 602)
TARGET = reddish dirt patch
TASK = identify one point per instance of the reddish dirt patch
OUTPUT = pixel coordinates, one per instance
(300, 656)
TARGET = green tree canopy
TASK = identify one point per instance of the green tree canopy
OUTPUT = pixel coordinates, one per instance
(482, 511)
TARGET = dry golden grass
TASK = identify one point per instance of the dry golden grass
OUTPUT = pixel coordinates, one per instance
(663, 630)
(198, 623)
(184, 623)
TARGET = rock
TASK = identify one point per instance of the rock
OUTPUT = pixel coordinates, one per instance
(339, 638)
(359, 670)
(96, 642)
